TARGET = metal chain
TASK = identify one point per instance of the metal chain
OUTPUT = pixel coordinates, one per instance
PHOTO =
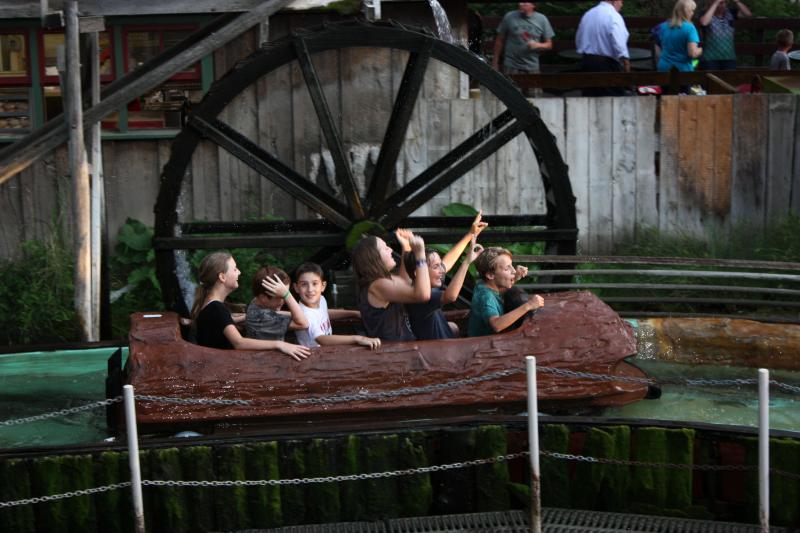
(784, 473)
(623, 462)
(785, 386)
(589, 375)
(407, 390)
(84, 492)
(201, 401)
(62, 412)
(332, 479)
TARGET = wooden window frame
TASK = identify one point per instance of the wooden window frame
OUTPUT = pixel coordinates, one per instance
(16, 81)
(53, 80)
(194, 75)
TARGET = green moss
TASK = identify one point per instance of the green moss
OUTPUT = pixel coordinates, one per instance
(379, 454)
(293, 498)
(415, 493)
(265, 502)
(491, 480)
(47, 479)
(349, 491)
(197, 463)
(554, 472)
(79, 475)
(521, 494)
(588, 493)
(108, 504)
(680, 450)
(168, 503)
(648, 485)
(615, 486)
(784, 492)
(454, 490)
(15, 484)
(231, 502)
(322, 498)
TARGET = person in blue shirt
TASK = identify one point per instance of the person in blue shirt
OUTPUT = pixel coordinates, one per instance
(497, 273)
(680, 43)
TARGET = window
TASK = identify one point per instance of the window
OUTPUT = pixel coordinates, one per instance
(143, 43)
(13, 58)
(49, 60)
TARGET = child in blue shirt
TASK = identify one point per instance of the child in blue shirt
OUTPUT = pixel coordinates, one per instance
(497, 275)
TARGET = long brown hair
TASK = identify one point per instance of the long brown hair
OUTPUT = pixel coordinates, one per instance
(367, 263)
(211, 267)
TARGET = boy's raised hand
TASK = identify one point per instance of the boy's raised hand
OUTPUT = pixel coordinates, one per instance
(522, 271)
(474, 249)
(477, 225)
(404, 237)
(274, 286)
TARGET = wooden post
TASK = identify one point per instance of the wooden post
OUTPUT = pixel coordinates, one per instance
(79, 171)
(98, 207)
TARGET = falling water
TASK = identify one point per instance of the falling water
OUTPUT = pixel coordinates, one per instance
(442, 22)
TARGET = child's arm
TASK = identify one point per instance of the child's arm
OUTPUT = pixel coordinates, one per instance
(404, 237)
(296, 352)
(499, 323)
(395, 289)
(276, 287)
(454, 287)
(373, 343)
(338, 314)
(452, 256)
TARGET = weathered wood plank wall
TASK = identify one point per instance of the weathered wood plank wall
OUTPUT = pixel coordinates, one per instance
(682, 164)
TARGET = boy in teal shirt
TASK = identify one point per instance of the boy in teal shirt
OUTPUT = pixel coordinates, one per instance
(497, 275)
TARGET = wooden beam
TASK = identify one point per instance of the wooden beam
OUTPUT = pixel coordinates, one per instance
(109, 8)
(22, 153)
(79, 171)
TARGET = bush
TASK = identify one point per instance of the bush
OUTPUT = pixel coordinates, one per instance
(36, 296)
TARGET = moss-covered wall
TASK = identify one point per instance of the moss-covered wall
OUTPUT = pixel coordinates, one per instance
(488, 487)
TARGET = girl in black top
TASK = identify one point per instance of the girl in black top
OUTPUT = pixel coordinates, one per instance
(218, 277)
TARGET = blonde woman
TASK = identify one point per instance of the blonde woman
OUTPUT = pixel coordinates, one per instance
(680, 43)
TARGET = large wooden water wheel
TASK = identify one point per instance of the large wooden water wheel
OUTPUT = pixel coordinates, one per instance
(382, 206)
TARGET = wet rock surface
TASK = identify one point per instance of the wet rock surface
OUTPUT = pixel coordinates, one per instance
(574, 331)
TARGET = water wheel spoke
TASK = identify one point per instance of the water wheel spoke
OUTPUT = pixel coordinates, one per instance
(272, 168)
(451, 167)
(344, 175)
(404, 103)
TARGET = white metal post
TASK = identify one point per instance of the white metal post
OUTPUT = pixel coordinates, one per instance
(763, 449)
(133, 457)
(533, 445)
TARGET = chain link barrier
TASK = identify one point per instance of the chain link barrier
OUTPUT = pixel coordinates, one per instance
(64, 496)
(62, 412)
(192, 401)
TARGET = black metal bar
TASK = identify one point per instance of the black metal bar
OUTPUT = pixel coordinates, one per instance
(661, 286)
(192, 228)
(627, 259)
(404, 103)
(436, 182)
(447, 160)
(249, 241)
(466, 222)
(344, 175)
(273, 169)
(717, 301)
(489, 236)
(670, 274)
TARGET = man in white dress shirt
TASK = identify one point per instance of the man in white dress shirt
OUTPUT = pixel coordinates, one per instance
(602, 41)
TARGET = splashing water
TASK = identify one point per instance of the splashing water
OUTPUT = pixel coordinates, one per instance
(443, 28)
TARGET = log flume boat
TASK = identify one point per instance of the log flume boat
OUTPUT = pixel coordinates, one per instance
(573, 331)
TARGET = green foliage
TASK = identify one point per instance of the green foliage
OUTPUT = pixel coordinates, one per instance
(36, 296)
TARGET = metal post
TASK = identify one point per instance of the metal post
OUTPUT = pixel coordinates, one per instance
(133, 458)
(533, 445)
(763, 449)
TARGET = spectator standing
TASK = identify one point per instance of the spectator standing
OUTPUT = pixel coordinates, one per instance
(602, 41)
(680, 43)
(718, 30)
(780, 59)
(521, 36)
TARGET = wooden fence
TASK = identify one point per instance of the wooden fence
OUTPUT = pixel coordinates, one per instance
(682, 164)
